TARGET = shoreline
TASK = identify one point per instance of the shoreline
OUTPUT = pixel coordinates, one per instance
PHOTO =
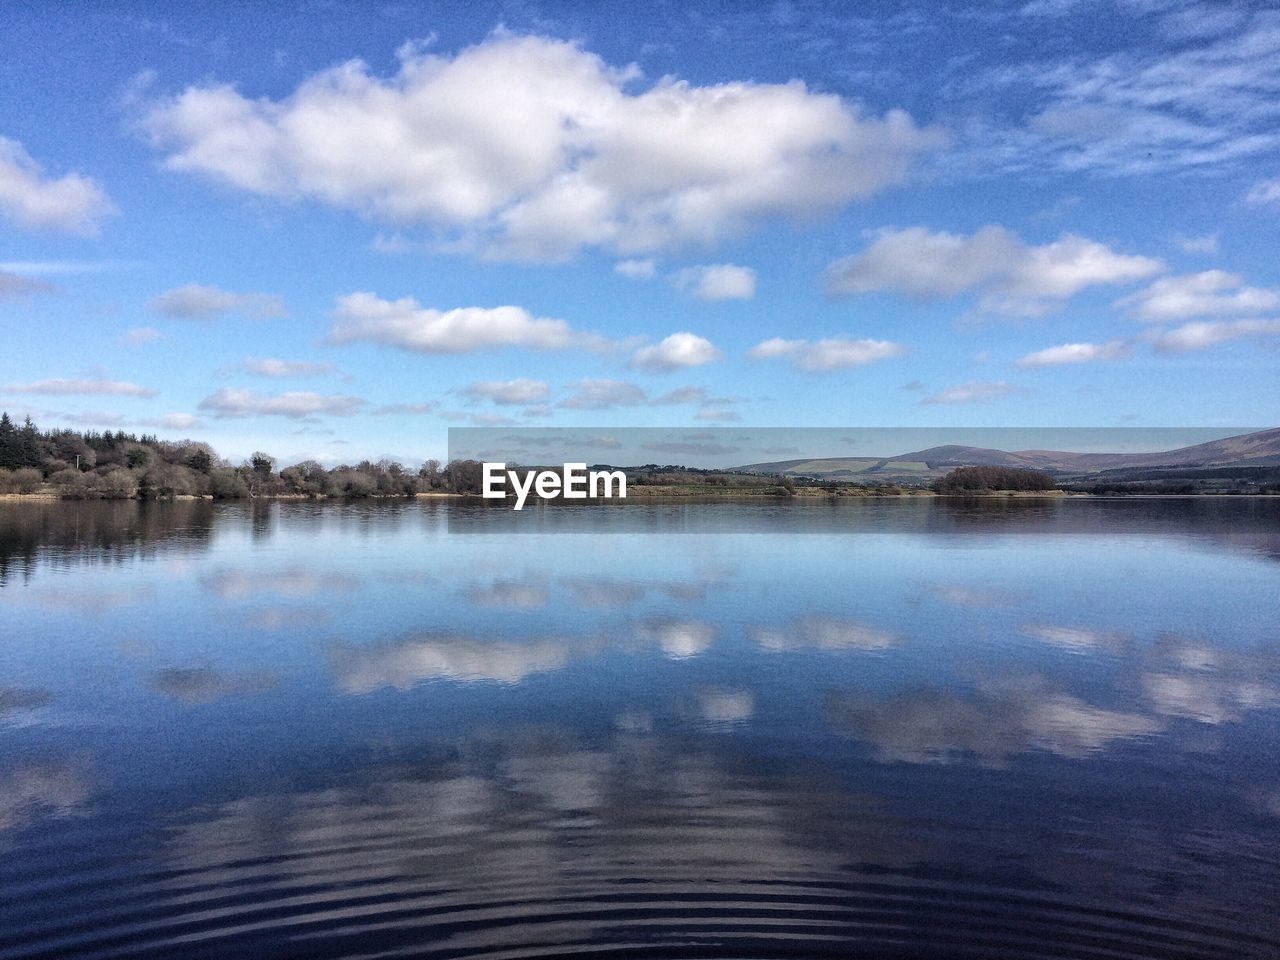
(674, 494)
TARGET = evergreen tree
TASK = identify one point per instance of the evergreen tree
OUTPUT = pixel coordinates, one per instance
(10, 444)
(29, 444)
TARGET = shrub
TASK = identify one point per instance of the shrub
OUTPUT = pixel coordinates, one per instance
(115, 484)
(225, 483)
(23, 480)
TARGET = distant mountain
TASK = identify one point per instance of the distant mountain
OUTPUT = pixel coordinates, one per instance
(1249, 450)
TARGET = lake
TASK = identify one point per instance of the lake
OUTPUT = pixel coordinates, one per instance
(871, 728)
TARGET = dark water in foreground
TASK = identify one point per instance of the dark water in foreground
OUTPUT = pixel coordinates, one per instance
(884, 729)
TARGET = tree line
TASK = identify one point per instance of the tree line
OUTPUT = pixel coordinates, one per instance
(120, 465)
(983, 479)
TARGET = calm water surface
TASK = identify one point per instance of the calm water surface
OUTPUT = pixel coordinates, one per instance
(876, 729)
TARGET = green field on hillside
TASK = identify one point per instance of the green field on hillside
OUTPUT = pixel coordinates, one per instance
(831, 466)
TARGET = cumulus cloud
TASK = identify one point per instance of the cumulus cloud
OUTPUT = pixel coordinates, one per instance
(70, 387)
(535, 148)
(1206, 698)
(941, 727)
(29, 793)
(360, 670)
(509, 392)
(644, 269)
(198, 302)
(1076, 353)
(1010, 276)
(675, 352)
(416, 409)
(677, 639)
(1265, 193)
(406, 324)
(726, 706)
(1071, 639)
(69, 204)
(717, 281)
(1207, 684)
(1212, 293)
(14, 286)
(604, 395)
(822, 633)
(284, 369)
(832, 353)
(607, 394)
(973, 392)
(298, 404)
(1200, 334)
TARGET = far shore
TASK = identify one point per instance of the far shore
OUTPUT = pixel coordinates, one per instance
(696, 493)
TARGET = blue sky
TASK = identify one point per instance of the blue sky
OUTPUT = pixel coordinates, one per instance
(334, 231)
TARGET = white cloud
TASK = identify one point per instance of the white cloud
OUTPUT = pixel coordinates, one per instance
(1206, 244)
(822, 633)
(717, 281)
(675, 352)
(413, 409)
(833, 353)
(1011, 276)
(989, 728)
(67, 387)
(1074, 639)
(198, 302)
(1198, 102)
(1265, 193)
(283, 369)
(685, 395)
(644, 269)
(1213, 293)
(402, 665)
(678, 639)
(607, 394)
(70, 204)
(726, 706)
(509, 392)
(973, 392)
(406, 324)
(604, 395)
(14, 286)
(234, 402)
(1076, 353)
(1200, 334)
(535, 148)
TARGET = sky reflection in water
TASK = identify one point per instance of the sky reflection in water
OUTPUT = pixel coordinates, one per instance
(336, 730)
